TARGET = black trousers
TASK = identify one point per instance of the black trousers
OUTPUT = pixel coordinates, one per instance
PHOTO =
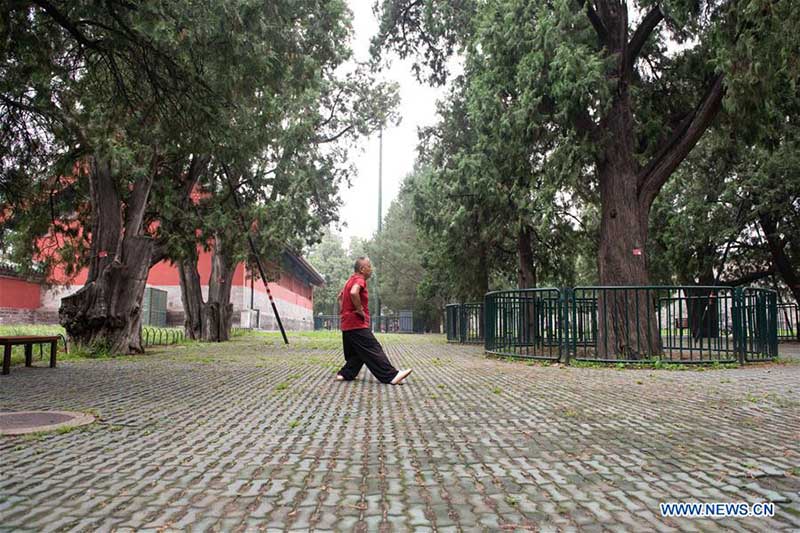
(362, 348)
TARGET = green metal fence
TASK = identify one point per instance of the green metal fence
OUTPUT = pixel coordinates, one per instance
(452, 322)
(326, 322)
(634, 324)
(402, 322)
(161, 336)
(526, 323)
(464, 323)
(788, 316)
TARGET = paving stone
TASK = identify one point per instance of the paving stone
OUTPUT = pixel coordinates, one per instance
(220, 446)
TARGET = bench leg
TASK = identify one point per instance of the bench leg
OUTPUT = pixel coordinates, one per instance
(7, 359)
(28, 354)
(53, 350)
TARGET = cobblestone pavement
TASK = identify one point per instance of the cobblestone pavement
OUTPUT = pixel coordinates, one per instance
(246, 436)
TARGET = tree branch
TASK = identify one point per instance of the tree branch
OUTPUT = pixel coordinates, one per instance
(138, 201)
(780, 260)
(585, 124)
(599, 27)
(67, 24)
(652, 177)
(640, 36)
(334, 137)
(333, 109)
(748, 278)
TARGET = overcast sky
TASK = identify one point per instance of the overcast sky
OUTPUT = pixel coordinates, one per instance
(359, 214)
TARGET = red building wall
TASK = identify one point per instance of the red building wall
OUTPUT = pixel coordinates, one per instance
(19, 294)
(287, 288)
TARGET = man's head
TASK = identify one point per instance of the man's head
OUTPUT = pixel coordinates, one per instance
(363, 266)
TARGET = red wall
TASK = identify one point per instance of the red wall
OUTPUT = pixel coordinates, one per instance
(165, 274)
(287, 288)
(19, 294)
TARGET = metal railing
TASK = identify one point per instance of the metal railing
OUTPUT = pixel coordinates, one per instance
(634, 324)
(525, 323)
(402, 322)
(788, 317)
(398, 323)
(464, 323)
(326, 322)
(161, 336)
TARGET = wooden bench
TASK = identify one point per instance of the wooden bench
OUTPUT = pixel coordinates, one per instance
(27, 341)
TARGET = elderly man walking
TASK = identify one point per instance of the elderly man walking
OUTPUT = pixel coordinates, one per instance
(360, 345)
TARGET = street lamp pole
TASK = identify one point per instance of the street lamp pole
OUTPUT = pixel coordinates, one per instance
(380, 191)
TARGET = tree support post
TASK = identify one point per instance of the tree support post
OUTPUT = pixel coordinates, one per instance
(255, 255)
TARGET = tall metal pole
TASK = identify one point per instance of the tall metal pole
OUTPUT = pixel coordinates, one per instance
(380, 221)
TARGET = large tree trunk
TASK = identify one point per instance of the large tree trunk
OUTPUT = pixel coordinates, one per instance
(782, 262)
(627, 325)
(105, 314)
(526, 271)
(209, 320)
(483, 274)
(218, 310)
(702, 305)
(627, 322)
(526, 279)
(191, 295)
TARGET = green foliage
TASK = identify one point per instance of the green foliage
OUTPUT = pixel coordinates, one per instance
(709, 225)
(159, 87)
(330, 259)
(184, 102)
(397, 255)
(531, 119)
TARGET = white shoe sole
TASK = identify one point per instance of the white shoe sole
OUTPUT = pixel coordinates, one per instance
(403, 374)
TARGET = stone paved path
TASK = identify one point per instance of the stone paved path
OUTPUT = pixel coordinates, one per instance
(246, 436)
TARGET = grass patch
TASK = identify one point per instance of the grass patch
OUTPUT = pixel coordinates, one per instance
(497, 390)
(784, 361)
(41, 351)
(781, 401)
(657, 365)
(282, 386)
(36, 436)
(31, 329)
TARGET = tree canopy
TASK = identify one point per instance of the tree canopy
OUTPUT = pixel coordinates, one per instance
(137, 114)
(586, 112)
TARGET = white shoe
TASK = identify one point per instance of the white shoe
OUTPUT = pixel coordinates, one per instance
(401, 375)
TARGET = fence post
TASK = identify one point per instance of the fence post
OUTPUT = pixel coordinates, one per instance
(772, 321)
(566, 296)
(462, 323)
(488, 323)
(796, 318)
(739, 334)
